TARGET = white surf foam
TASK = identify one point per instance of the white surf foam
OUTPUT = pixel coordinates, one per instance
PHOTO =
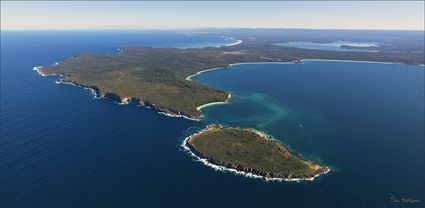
(238, 172)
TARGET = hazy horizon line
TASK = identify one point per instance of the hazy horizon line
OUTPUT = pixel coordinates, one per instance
(196, 28)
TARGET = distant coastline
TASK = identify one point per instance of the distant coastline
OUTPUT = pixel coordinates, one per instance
(235, 43)
(353, 61)
(231, 44)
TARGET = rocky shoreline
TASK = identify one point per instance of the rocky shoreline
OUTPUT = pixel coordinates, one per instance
(64, 79)
(248, 172)
(216, 164)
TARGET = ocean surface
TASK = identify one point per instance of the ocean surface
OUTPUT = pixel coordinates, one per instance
(333, 46)
(61, 147)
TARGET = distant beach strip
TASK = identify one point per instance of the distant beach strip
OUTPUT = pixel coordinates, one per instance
(235, 43)
(215, 103)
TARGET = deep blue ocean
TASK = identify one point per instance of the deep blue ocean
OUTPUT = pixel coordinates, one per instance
(61, 147)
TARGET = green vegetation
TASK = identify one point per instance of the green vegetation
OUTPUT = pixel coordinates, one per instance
(157, 76)
(246, 150)
(153, 76)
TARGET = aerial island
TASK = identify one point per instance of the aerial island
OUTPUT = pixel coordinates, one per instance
(160, 78)
(251, 153)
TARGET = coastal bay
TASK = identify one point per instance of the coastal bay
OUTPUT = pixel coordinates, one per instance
(364, 120)
(161, 77)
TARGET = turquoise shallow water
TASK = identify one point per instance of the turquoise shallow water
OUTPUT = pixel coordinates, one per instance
(59, 147)
(365, 120)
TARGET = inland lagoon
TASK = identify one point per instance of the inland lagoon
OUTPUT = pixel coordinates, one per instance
(335, 46)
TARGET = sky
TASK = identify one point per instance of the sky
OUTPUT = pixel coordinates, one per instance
(39, 15)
